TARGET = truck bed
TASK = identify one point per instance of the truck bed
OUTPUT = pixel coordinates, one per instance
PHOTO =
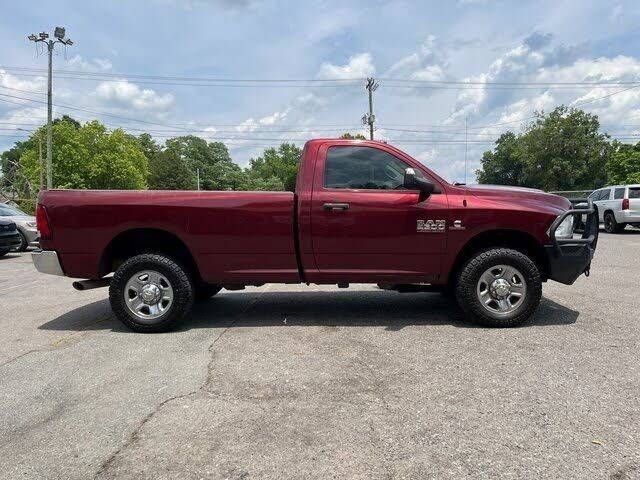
(238, 237)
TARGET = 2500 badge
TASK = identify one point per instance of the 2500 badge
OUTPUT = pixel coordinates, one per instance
(431, 225)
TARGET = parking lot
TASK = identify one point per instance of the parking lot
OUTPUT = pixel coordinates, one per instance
(316, 382)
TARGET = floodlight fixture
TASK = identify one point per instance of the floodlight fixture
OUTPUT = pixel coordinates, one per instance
(32, 37)
(68, 42)
(44, 35)
(59, 33)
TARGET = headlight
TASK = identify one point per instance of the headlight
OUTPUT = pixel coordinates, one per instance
(31, 224)
(565, 229)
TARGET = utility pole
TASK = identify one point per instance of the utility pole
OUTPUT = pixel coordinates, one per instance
(466, 142)
(198, 177)
(41, 162)
(59, 34)
(369, 118)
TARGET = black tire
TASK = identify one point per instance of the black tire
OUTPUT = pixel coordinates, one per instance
(611, 225)
(204, 292)
(470, 276)
(23, 243)
(3, 252)
(183, 292)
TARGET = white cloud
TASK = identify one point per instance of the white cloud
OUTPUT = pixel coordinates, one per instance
(359, 66)
(92, 65)
(274, 118)
(536, 60)
(129, 95)
(35, 85)
(248, 125)
(425, 64)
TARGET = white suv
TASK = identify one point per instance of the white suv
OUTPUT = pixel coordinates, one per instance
(617, 206)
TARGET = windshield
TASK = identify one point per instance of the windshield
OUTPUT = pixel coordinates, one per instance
(7, 211)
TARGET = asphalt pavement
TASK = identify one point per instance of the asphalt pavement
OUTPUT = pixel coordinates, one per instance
(317, 382)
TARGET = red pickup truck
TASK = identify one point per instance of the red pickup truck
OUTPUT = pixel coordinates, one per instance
(362, 211)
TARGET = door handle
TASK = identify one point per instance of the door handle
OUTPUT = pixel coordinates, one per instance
(336, 206)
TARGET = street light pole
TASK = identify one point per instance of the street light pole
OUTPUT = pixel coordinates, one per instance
(49, 119)
(59, 34)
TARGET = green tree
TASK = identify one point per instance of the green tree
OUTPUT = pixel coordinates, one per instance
(624, 165)
(12, 177)
(167, 171)
(563, 150)
(503, 165)
(89, 157)
(212, 159)
(281, 163)
(67, 118)
(351, 136)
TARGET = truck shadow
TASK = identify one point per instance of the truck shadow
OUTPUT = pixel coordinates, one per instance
(391, 310)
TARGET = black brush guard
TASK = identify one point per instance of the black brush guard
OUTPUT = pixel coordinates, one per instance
(571, 257)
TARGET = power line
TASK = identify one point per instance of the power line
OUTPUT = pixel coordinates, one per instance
(355, 80)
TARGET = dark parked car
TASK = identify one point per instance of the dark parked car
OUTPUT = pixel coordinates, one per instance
(9, 237)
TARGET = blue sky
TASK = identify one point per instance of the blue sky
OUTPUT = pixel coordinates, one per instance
(466, 40)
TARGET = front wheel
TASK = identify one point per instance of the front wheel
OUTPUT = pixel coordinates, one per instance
(150, 293)
(499, 288)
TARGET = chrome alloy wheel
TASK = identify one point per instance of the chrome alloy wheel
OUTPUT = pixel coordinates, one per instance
(148, 294)
(501, 289)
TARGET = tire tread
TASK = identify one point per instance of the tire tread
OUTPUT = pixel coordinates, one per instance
(467, 282)
(183, 291)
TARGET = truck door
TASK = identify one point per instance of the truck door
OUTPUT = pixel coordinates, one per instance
(365, 226)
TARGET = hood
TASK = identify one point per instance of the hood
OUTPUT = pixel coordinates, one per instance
(521, 196)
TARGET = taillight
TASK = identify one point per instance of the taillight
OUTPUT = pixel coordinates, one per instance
(625, 204)
(42, 222)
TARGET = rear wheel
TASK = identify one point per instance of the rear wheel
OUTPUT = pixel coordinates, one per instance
(611, 225)
(499, 288)
(150, 293)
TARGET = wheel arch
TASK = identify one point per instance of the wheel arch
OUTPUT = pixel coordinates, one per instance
(146, 240)
(502, 238)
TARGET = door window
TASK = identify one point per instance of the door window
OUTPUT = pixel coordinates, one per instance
(604, 194)
(618, 194)
(354, 167)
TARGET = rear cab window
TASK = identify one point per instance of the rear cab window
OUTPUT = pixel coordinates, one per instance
(618, 194)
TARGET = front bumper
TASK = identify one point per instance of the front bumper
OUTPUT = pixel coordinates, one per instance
(47, 261)
(10, 241)
(569, 258)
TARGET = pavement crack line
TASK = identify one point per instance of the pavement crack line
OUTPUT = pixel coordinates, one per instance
(58, 343)
(135, 435)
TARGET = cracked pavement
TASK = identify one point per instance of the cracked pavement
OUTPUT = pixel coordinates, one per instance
(289, 381)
